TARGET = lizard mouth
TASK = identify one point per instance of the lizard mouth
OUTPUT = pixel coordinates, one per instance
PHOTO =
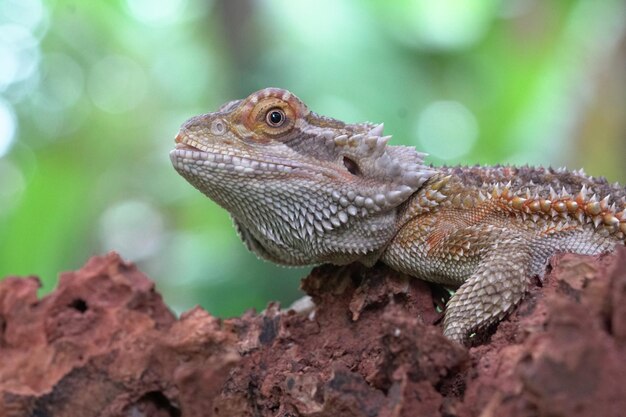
(184, 146)
(181, 143)
(188, 154)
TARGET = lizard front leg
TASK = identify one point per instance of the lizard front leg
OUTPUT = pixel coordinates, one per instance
(491, 263)
(496, 286)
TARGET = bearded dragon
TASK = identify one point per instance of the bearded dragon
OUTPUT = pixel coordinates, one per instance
(305, 189)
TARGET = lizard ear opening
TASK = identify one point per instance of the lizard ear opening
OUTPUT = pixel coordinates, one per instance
(351, 166)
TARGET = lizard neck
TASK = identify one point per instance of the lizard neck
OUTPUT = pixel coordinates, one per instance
(292, 230)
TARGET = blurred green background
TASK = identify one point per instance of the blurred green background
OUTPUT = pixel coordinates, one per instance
(92, 94)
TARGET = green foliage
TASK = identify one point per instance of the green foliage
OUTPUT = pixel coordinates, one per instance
(92, 94)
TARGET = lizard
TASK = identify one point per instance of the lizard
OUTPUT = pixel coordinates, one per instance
(306, 189)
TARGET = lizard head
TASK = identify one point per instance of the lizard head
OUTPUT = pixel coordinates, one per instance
(287, 174)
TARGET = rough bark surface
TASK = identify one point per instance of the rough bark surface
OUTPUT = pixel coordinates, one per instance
(104, 344)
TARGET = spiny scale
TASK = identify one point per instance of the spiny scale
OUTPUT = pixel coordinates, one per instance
(563, 205)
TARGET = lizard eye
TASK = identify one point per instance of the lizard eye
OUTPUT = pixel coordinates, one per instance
(275, 117)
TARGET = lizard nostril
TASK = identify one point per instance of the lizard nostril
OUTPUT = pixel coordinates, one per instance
(178, 138)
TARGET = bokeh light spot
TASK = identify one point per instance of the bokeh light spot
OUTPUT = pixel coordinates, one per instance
(27, 13)
(62, 82)
(192, 63)
(116, 84)
(302, 22)
(447, 129)
(163, 12)
(133, 228)
(12, 184)
(19, 54)
(8, 126)
(451, 24)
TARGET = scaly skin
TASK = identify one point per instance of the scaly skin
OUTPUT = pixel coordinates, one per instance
(306, 189)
